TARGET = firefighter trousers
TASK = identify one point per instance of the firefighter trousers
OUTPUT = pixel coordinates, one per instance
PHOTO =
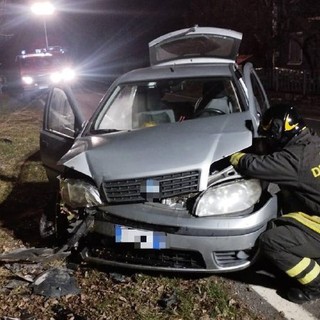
(293, 251)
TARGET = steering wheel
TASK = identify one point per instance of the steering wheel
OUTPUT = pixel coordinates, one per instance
(209, 112)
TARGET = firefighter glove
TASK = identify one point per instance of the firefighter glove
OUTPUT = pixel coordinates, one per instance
(234, 159)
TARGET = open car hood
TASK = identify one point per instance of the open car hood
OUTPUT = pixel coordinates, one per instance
(214, 44)
(167, 148)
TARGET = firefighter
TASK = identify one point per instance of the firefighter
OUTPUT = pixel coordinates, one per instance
(293, 243)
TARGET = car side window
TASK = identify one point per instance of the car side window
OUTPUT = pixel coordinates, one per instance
(260, 99)
(61, 118)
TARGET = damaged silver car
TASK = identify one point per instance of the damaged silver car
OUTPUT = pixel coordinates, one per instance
(147, 178)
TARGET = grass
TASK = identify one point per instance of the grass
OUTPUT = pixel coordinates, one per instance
(19, 139)
(23, 191)
(141, 296)
(21, 172)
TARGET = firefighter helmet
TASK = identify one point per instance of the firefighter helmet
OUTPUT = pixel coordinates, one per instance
(281, 123)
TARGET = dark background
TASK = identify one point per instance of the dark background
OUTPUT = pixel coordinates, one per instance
(103, 36)
(111, 36)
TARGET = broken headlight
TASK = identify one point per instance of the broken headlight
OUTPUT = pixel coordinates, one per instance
(228, 198)
(78, 193)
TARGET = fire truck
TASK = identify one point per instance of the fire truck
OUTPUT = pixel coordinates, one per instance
(37, 71)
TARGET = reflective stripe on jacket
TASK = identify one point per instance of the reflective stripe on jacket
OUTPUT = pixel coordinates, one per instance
(303, 220)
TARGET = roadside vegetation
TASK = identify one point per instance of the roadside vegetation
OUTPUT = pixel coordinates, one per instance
(104, 294)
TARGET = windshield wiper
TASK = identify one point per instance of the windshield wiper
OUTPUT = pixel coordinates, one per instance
(101, 131)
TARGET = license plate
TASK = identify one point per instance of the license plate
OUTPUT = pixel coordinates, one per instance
(142, 239)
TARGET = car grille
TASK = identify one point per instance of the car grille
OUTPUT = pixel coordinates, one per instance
(171, 185)
(172, 259)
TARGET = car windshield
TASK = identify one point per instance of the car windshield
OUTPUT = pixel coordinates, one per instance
(146, 104)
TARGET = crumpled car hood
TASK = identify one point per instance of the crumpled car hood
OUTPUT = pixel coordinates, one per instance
(167, 148)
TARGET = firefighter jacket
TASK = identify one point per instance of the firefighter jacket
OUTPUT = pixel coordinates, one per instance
(296, 168)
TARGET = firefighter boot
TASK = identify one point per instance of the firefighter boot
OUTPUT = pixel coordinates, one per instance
(303, 294)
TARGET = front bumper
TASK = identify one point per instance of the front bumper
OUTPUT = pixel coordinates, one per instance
(211, 244)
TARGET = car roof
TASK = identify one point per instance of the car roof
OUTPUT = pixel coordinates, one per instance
(177, 71)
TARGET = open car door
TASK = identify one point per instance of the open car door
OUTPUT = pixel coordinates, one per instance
(62, 122)
(258, 100)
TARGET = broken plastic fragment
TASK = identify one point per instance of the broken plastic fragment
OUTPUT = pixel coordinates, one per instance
(15, 283)
(55, 283)
(117, 277)
(27, 254)
(168, 300)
